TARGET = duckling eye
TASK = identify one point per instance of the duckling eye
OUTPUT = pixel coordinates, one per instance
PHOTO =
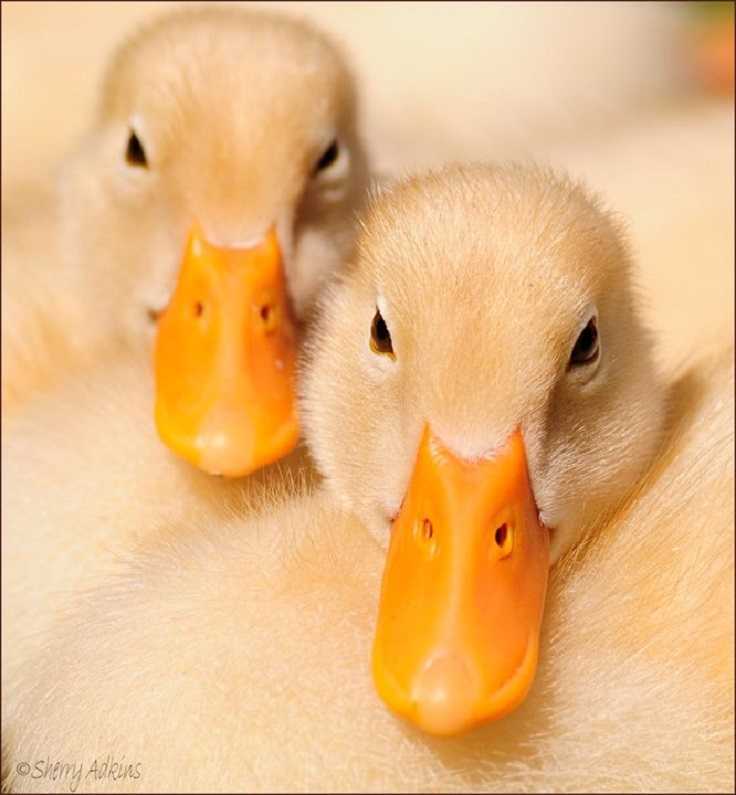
(380, 336)
(587, 346)
(134, 153)
(329, 156)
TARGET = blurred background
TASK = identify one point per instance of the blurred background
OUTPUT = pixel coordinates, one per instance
(636, 98)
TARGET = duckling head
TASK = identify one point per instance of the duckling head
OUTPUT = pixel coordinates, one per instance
(214, 195)
(480, 391)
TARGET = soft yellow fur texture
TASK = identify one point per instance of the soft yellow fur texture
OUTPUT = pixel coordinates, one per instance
(65, 524)
(232, 134)
(234, 654)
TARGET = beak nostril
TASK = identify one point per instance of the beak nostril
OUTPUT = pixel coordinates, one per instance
(424, 537)
(198, 309)
(270, 317)
(501, 535)
(504, 540)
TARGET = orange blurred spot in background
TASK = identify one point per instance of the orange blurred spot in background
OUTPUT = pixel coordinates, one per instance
(713, 46)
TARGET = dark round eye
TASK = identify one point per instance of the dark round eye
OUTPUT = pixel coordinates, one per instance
(134, 152)
(587, 347)
(380, 336)
(328, 157)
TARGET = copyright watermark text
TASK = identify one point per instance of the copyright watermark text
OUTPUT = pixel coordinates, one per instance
(74, 773)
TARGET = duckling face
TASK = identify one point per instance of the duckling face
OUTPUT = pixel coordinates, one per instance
(481, 389)
(225, 146)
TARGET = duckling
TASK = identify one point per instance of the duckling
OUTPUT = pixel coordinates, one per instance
(488, 331)
(190, 158)
(205, 208)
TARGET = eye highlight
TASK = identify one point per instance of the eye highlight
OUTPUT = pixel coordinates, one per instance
(135, 155)
(587, 346)
(381, 337)
(329, 156)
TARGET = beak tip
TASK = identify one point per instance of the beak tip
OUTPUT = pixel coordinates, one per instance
(451, 695)
(227, 444)
(446, 697)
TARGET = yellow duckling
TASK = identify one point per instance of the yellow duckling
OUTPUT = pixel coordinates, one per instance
(487, 334)
(229, 179)
(213, 196)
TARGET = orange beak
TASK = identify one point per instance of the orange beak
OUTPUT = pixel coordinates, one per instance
(224, 359)
(463, 591)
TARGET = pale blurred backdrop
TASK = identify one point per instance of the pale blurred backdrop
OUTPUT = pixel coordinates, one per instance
(625, 95)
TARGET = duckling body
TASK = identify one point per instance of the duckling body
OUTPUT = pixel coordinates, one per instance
(236, 652)
(72, 532)
(38, 299)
